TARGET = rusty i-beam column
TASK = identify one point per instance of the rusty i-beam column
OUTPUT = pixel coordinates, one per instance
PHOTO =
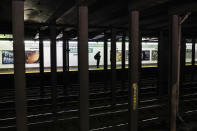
(53, 68)
(182, 60)
(163, 64)
(105, 60)
(134, 70)
(65, 62)
(83, 65)
(193, 51)
(193, 58)
(123, 50)
(175, 69)
(113, 66)
(41, 57)
(19, 64)
(123, 60)
(105, 51)
(65, 52)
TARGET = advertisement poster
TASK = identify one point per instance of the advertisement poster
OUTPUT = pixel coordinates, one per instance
(189, 54)
(7, 57)
(126, 55)
(118, 55)
(154, 55)
(31, 57)
(146, 55)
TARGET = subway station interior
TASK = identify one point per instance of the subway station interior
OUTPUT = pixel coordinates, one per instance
(98, 65)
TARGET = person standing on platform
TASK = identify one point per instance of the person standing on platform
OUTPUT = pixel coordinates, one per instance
(97, 57)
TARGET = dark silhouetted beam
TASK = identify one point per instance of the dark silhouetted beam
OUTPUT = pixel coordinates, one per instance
(65, 52)
(105, 51)
(193, 57)
(113, 66)
(193, 51)
(107, 13)
(53, 70)
(163, 63)
(144, 4)
(64, 7)
(123, 50)
(158, 25)
(123, 59)
(41, 58)
(65, 62)
(183, 8)
(71, 13)
(182, 61)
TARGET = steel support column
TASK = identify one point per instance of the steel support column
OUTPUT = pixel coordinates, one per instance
(113, 66)
(134, 70)
(65, 62)
(105, 60)
(41, 58)
(123, 50)
(193, 51)
(65, 53)
(193, 58)
(53, 68)
(175, 76)
(123, 60)
(41, 53)
(83, 66)
(140, 52)
(182, 61)
(19, 64)
(163, 64)
(105, 51)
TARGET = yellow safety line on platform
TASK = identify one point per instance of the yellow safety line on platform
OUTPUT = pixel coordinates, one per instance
(4, 73)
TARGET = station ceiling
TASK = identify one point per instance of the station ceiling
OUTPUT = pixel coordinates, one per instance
(103, 15)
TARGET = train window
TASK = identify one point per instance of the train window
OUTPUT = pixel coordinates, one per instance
(188, 54)
(149, 54)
